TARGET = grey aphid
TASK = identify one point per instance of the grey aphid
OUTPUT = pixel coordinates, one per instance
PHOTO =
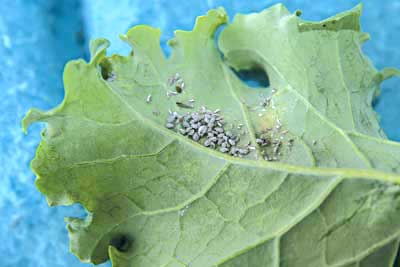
(196, 137)
(224, 149)
(243, 151)
(171, 119)
(170, 93)
(229, 134)
(202, 130)
(213, 139)
(182, 131)
(148, 99)
(185, 124)
(231, 142)
(191, 132)
(170, 125)
(219, 129)
(233, 151)
(195, 117)
(207, 143)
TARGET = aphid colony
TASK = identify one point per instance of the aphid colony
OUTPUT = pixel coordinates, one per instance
(207, 127)
(271, 142)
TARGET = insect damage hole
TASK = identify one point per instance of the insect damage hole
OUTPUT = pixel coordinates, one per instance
(106, 70)
(255, 77)
(122, 242)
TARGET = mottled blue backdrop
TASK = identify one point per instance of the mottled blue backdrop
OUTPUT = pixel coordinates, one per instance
(37, 37)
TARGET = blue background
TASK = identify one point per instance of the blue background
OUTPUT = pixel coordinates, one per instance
(37, 37)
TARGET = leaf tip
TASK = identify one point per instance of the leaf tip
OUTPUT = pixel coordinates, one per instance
(141, 34)
(208, 24)
(33, 115)
(389, 72)
(98, 48)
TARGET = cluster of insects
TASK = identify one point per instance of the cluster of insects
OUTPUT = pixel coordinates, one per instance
(177, 82)
(271, 141)
(207, 127)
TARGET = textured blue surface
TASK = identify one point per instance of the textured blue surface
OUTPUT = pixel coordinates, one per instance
(37, 37)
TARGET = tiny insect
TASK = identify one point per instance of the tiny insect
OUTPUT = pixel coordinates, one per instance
(179, 88)
(170, 93)
(148, 99)
(183, 105)
(314, 142)
(169, 125)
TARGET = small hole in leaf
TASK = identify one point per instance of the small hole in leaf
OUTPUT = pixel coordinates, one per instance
(324, 25)
(255, 78)
(121, 242)
(397, 261)
(105, 69)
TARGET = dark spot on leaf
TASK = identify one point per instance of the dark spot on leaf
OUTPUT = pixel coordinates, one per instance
(324, 25)
(121, 242)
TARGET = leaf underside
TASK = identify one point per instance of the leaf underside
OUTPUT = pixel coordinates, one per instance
(157, 198)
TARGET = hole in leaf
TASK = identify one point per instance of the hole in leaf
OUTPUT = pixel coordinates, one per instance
(255, 78)
(386, 105)
(122, 242)
(105, 69)
(397, 261)
(216, 37)
(75, 210)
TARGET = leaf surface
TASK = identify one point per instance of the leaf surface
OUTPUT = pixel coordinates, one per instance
(157, 198)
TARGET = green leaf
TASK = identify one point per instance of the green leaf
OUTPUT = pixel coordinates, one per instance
(327, 196)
